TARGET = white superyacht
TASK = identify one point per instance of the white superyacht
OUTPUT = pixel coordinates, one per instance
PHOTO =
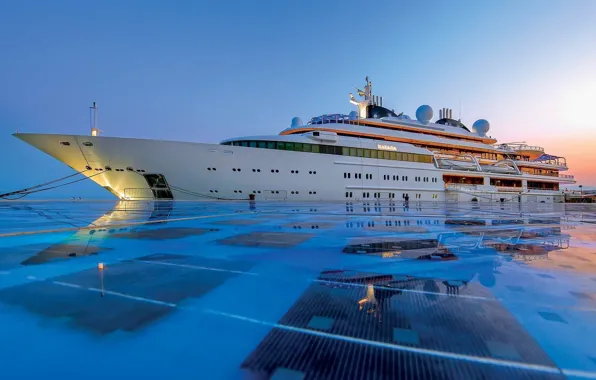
(372, 153)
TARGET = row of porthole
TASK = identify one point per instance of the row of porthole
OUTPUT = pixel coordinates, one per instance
(300, 227)
(356, 175)
(259, 170)
(387, 177)
(66, 143)
(391, 223)
(107, 168)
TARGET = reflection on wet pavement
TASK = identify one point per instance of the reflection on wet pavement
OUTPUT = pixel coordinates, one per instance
(308, 291)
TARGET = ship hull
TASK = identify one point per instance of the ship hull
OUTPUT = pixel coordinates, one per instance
(197, 171)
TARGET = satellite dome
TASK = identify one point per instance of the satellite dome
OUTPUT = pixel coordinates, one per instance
(404, 117)
(353, 115)
(480, 127)
(424, 114)
(296, 122)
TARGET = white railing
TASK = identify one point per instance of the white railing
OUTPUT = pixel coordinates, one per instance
(568, 176)
(509, 189)
(467, 186)
(543, 191)
(535, 148)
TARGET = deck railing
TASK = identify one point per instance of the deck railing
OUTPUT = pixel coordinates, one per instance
(509, 189)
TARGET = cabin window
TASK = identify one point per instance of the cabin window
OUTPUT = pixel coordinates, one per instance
(252, 144)
(315, 148)
(393, 155)
(289, 146)
(298, 147)
(367, 153)
(262, 144)
(243, 143)
(271, 144)
(66, 143)
(360, 152)
(306, 147)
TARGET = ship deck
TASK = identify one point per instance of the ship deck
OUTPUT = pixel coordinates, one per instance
(297, 290)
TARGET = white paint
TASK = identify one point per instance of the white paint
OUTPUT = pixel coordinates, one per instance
(195, 267)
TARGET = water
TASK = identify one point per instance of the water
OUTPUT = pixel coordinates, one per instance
(297, 291)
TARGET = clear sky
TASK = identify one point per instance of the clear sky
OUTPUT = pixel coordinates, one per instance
(209, 70)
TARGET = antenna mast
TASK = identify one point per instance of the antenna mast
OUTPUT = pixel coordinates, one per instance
(93, 119)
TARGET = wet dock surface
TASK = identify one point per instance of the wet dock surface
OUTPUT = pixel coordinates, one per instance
(243, 290)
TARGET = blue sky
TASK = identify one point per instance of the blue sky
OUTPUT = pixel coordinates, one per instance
(206, 71)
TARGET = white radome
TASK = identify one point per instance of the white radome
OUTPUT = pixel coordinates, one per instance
(481, 127)
(424, 113)
(296, 122)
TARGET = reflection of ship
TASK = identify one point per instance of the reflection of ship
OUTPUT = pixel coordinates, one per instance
(523, 239)
(85, 241)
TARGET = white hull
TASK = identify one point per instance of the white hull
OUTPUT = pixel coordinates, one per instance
(196, 171)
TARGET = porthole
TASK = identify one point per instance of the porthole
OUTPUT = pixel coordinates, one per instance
(108, 168)
(130, 169)
(88, 167)
(87, 143)
(65, 143)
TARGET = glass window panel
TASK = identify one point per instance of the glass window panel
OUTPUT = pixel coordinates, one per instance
(353, 152)
(262, 144)
(367, 153)
(345, 151)
(306, 147)
(271, 144)
(360, 152)
(393, 155)
(280, 145)
(252, 144)
(387, 155)
(298, 147)
(244, 143)
(289, 146)
(315, 149)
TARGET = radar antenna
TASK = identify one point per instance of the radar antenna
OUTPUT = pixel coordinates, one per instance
(364, 103)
